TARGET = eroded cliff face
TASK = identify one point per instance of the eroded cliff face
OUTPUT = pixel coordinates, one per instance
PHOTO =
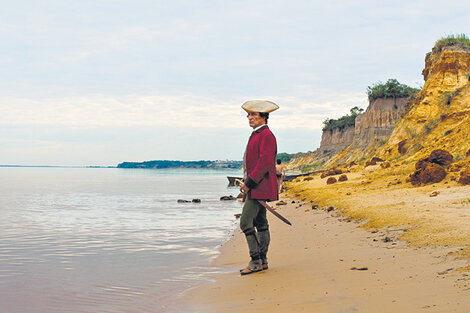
(336, 139)
(333, 141)
(374, 127)
(439, 117)
(371, 129)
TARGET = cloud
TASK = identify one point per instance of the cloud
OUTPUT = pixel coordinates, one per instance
(191, 111)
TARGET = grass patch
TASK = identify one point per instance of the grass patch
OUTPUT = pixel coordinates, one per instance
(459, 41)
(429, 126)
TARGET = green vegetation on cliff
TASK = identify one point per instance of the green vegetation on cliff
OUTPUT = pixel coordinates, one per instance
(391, 89)
(460, 41)
(344, 121)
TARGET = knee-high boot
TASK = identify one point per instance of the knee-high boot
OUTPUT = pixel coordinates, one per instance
(254, 249)
(264, 238)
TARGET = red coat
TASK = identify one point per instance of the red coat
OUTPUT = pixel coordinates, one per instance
(259, 164)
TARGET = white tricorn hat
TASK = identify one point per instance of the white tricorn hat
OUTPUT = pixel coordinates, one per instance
(262, 106)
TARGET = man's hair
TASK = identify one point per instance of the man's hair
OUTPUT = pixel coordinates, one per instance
(265, 116)
(279, 161)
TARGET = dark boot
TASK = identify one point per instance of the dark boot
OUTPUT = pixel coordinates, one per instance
(264, 240)
(253, 246)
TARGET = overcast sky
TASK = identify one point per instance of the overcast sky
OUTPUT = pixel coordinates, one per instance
(101, 82)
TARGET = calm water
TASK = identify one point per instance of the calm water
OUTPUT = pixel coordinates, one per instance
(108, 240)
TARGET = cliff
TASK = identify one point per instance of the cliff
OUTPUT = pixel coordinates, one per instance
(333, 141)
(439, 117)
(371, 129)
(396, 129)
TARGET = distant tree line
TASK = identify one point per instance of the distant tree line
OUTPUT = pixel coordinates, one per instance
(391, 89)
(344, 121)
(284, 157)
(161, 164)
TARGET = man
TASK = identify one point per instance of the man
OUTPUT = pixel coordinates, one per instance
(260, 183)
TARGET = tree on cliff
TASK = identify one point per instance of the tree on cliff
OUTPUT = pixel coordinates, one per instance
(391, 89)
(344, 121)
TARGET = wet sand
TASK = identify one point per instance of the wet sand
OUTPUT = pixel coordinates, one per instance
(326, 262)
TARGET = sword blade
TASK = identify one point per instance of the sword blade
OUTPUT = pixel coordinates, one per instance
(270, 209)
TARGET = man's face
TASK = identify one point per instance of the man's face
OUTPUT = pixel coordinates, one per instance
(255, 120)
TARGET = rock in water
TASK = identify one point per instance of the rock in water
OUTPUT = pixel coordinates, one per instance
(183, 201)
(196, 200)
(227, 198)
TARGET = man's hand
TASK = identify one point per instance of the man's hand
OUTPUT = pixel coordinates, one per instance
(244, 189)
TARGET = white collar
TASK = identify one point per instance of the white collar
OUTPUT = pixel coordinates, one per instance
(258, 127)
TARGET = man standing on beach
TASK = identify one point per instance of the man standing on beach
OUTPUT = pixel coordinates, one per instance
(260, 183)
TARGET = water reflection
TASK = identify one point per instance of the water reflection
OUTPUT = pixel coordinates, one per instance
(106, 240)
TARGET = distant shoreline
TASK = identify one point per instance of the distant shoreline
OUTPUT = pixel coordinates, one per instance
(175, 164)
(58, 166)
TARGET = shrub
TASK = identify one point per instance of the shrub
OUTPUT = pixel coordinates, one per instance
(391, 89)
(344, 121)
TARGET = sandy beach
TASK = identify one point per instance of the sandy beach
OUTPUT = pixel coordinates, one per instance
(372, 245)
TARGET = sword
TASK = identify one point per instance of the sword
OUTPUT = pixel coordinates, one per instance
(270, 209)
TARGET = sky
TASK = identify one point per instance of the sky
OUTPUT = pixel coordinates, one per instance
(102, 82)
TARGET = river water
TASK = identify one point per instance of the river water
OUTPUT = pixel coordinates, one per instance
(108, 239)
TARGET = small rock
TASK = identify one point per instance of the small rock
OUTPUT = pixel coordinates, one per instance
(329, 209)
(281, 203)
(237, 215)
(464, 177)
(434, 193)
(376, 159)
(331, 180)
(308, 178)
(385, 165)
(359, 268)
(293, 202)
(314, 207)
(227, 198)
(387, 239)
(401, 146)
(196, 200)
(343, 178)
(183, 201)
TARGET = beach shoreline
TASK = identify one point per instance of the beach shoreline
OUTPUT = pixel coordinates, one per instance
(329, 262)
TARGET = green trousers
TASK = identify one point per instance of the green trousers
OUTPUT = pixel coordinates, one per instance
(253, 215)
